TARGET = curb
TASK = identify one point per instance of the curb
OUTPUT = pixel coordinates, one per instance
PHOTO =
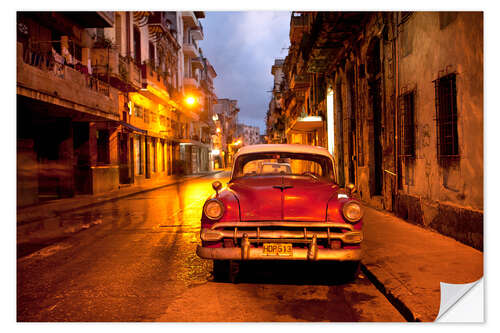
(396, 301)
(56, 213)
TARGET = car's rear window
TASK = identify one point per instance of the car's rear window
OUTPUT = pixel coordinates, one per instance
(265, 164)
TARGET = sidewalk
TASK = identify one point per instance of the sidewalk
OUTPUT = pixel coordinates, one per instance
(40, 223)
(408, 262)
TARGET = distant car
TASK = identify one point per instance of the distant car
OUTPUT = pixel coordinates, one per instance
(298, 214)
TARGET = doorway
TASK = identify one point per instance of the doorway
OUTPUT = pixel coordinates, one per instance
(375, 96)
(124, 159)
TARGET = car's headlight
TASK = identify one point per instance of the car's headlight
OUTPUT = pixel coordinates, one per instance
(214, 209)
(352, 211)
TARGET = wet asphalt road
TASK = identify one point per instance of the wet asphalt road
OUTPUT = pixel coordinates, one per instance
(138, 263)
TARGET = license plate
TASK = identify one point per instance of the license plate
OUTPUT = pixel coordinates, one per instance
(277, 249)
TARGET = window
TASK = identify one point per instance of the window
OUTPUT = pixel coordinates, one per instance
(137, 46)
(154, 116)
(446, 116)
(155, 154)
(103, 146)
(281, 163)
(152, 54)
(138, 155)
(138, 111)
(407, 124)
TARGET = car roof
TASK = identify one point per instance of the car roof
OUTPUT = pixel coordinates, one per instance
(283, 148)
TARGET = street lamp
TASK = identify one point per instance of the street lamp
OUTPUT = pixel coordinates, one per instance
(190, 100)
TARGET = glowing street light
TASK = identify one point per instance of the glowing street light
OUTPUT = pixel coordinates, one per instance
(190, 100)
(237, 143)
(218, 130)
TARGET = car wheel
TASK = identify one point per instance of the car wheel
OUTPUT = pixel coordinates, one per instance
(221, 270)
(234, 270)
(351, 270)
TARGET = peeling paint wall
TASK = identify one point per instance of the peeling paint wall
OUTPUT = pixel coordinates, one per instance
(450, 198)
(412, 53)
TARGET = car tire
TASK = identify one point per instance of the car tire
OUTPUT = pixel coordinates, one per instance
(234, 271)
(221, 270)
(351, 270)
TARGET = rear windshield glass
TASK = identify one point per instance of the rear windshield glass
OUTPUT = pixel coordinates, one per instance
(265, 164)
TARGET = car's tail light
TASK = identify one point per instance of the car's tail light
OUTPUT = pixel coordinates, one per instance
(352, 211)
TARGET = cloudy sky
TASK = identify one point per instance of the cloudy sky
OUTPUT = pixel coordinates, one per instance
(242, 47)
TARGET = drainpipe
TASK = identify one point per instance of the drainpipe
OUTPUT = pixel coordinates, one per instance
(396, 105)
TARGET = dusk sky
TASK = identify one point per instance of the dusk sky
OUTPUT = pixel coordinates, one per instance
(242, 47)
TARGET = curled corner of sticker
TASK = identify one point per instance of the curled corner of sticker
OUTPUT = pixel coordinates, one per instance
(452, 298)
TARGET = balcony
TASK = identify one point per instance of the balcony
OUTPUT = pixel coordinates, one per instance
(298, 25)
(327, 37)
(153, 84)
(190, 19)
(190, 83)
(190, 50)
(197, 33)
(300, 82)
(120, 72)
(89, 19)
(42, 78)
(197, 63)
(157, 23)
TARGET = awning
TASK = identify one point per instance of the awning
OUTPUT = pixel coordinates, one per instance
(191, 142)
(307, 124)
(132, 128)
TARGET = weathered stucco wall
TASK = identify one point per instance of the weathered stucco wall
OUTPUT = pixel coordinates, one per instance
(460, 50)
(412, 55)
(446, 198)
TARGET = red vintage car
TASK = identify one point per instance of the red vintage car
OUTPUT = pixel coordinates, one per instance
(282, 203)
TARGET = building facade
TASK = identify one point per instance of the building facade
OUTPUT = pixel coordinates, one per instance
(275, 118)
(397, 97)
(101, 101)
(249, 135)
(226, 118)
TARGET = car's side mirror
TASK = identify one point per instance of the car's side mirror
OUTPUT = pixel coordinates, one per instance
(217, 185)
(351, 188)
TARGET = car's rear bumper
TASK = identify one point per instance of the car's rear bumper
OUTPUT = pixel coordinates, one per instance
(256, 253)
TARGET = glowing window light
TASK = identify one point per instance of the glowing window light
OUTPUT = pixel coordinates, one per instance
(329, 121)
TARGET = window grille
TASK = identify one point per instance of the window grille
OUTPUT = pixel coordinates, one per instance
(446, 116)
(407, 124)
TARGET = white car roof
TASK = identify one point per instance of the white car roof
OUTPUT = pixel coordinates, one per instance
(283, 148)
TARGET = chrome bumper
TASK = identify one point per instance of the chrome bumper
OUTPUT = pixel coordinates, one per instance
(237, 253)
(309, 234)
(215, 233)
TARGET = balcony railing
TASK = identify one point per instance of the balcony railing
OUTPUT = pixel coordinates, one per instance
(297, 27)
(56, 64)
(300, 82)
(157, 23)
(70, 85)
(152, 75)
(190, 19)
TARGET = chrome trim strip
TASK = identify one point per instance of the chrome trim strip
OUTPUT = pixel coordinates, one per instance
(281, 234)
(282, 224)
